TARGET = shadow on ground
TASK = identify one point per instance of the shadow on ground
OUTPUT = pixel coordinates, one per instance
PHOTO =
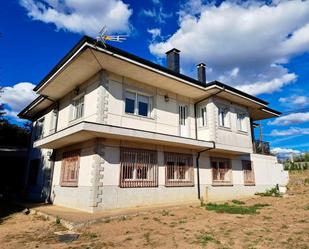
(7, 209)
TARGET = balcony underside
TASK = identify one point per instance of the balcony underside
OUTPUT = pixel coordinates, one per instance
(84, 131)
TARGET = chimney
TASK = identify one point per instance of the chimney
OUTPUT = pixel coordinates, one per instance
(172, 59)
(201, 72)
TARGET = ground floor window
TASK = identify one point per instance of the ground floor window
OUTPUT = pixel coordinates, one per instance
(178, 169)
(139, 168)
(70, 168)
(248, 172)
(221, 171)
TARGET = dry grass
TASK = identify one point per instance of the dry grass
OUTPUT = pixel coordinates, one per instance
(283, 224)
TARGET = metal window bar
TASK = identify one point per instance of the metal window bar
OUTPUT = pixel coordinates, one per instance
(221, 171)
(261, 147)
(70, 168)
(248, 172)
(138, 168)
(178, 169)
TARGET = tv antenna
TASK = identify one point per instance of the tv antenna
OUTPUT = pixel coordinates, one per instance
(103, 37)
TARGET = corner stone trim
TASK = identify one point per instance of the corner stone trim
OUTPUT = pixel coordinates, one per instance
(102, 101)
(98, 174)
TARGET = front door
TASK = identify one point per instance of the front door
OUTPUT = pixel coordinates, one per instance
(183, 120)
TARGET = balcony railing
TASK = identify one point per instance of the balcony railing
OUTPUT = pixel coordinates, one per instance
(261, 147)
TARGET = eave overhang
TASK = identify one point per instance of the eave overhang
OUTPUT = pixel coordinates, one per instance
(84, 131)
(87, 58)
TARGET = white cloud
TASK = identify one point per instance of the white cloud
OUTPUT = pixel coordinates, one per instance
(293, 131)
(293, 118)
(255, 38)
(17, 97)
(295, 100)
(155, 33)
(157, 14)
(268, 87)
(80, 16)
(284, 151)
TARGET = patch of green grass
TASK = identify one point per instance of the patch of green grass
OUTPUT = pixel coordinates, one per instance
(307, 207)
(237, 202)
(234, 209)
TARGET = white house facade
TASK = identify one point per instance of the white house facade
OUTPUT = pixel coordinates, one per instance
(112, 130)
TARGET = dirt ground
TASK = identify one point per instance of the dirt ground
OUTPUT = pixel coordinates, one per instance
(282, 224)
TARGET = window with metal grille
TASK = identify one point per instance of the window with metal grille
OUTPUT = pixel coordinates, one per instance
(221, 171)
(78, 107)
(248, 172)
(139, 168)
(70, 168)
(178, 169)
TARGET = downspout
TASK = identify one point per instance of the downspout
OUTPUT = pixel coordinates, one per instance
(198, 169)
(52, 156)
(196, 137)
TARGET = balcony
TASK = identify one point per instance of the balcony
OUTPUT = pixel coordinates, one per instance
(261, 147)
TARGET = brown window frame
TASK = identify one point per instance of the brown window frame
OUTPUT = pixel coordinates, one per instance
(138, 168)
(225, 170)
(66, 179)
(182, 171)
(249, 176)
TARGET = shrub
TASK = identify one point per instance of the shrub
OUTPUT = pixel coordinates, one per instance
(237, 202)
(271, 192)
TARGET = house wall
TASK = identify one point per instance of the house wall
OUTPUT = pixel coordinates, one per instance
(98, 185)
(164, 117)
(230, 138)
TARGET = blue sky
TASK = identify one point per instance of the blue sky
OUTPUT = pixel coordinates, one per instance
(260, 47)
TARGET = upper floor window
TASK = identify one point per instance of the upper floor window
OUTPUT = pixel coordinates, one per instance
(39, 128)
(203, 116)
(53, 121)
(241, 122)
(78, 107)
(138, 104)
(223, 114)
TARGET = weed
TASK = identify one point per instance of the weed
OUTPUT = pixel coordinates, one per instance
(267, 217)
(157, 219)
(234, 209)
(165, 213)
(271, 192)
(90, 235)
(58, 220)
(182, 221)
(204, 238)
(147, 237)
(145, 218)
(284, 226)
(128, 238)
(237, 202)
(307, 207)
(107, 220)
(122, 218)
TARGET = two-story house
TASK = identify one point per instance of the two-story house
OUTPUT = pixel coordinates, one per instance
(113, 130)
